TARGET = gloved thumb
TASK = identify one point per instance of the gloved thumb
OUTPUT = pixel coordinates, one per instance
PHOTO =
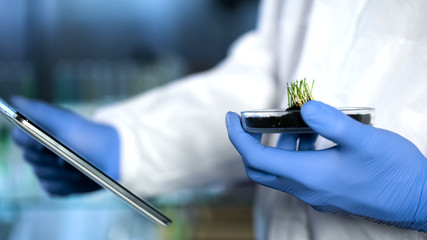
(95, 142)
(50, 118)
(65, 125)
(245, 143)
(333, 124)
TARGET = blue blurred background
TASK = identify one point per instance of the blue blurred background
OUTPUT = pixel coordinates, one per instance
(85, 53)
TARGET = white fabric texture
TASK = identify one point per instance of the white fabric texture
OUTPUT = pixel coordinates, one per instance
(174, 136)
(361, 53)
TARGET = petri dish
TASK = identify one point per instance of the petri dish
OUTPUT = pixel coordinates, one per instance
(290, 121)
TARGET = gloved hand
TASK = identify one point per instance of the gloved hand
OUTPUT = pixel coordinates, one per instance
(97, 143)
(371, 172)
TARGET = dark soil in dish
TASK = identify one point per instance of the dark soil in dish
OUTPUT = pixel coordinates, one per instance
(293, 120)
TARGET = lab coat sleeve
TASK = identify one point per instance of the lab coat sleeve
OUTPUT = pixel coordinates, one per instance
(174, 136)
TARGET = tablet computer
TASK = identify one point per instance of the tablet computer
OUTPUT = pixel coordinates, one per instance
(81, 164)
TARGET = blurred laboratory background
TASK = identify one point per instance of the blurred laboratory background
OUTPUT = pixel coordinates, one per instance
(86, 53)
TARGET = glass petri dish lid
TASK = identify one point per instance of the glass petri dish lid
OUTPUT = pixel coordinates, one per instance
(290, 121)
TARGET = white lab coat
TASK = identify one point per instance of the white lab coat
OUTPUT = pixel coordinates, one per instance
(361, 53)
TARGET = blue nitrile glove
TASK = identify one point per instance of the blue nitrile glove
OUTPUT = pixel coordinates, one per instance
(97, 143)
(371, 172)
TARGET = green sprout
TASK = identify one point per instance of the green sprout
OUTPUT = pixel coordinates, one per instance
(299, 93)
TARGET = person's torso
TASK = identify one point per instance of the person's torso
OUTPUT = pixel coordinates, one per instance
(360, 53)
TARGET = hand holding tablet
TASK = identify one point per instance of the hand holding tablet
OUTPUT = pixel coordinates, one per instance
(95, 150)
(97, 143)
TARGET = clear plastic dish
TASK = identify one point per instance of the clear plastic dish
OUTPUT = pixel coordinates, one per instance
(282, 121)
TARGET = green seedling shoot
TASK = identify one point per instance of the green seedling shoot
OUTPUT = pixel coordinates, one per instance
(299, 93)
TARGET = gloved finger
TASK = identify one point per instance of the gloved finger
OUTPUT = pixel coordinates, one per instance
(331, 209)
(23, 140)
(57, 173)
(333, 124)
(292, 142)
(306, 141)
(66, 126)
(292, 164)
(54, 120)
(302, 166)
(280, 183)
(298, 166)
(41, 157)
(257, 136)
(245, 143)
(63, 188)
(288, 141)
(260, 177)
